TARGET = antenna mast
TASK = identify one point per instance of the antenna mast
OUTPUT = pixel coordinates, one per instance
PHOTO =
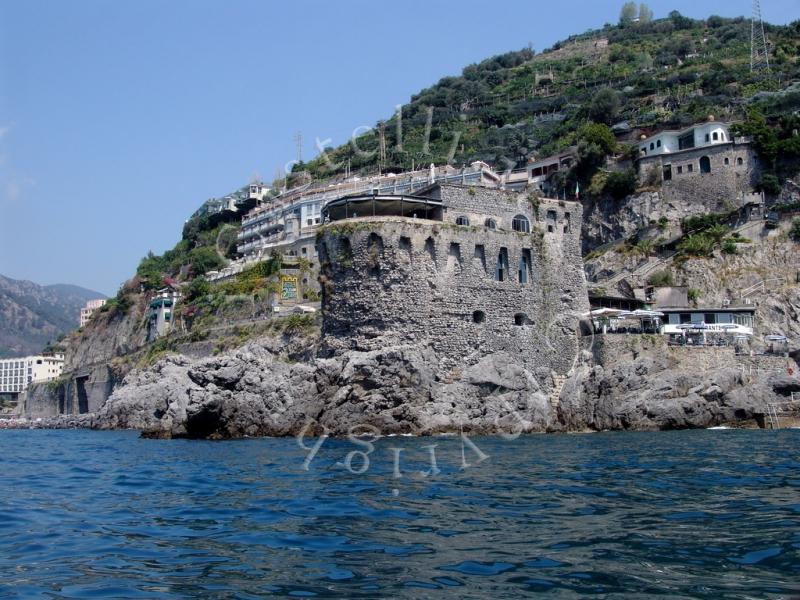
(759, 53)
(298, 140)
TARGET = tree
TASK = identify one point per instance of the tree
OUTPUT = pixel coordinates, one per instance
(628, 13)
(595, 142)
(645, 14)
(769, 184)
(204, 259)
(604, 106)
(621, 183)
(197, 289)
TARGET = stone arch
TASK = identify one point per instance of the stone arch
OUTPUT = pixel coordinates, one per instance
(430, 250)
(705, 164)
(521, 223)
(344, 253)
(491, 223)
(374, 253)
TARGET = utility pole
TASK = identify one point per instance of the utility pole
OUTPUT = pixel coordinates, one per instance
(298, 140)
(759, 53)
(382, 146)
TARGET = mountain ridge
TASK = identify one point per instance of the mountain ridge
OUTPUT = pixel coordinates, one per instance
(33, 315)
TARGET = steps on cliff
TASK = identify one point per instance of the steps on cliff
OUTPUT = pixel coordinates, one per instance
(555, 393)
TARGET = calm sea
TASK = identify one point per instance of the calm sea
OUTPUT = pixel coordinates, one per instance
(691, 514)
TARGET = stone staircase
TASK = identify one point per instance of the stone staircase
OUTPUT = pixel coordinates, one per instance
(555, 393)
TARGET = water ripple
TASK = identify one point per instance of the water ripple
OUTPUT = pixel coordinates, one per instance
(695, 514)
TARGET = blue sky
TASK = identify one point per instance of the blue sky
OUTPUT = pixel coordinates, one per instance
(118, 119)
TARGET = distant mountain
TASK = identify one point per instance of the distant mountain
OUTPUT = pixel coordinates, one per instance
(32, 315)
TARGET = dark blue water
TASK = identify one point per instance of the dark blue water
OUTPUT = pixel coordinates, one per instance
(695, 514)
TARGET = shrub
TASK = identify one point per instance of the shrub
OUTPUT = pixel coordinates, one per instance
(621, 183)
(693, 295)
(794, 232)
(729, 246)
(699, 245)
(661, 278)
(604, 106)
(769, 184)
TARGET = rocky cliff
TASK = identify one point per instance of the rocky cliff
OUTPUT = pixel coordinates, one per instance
(622, 382)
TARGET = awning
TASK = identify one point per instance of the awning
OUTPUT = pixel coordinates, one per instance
(776, 338)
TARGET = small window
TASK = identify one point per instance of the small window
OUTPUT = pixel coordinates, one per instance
(478, 316)
(501, 271)
(521, 319)
(739, 161)
(716, 136)
(658, 144)
(550, 229)
(652, 146)
(462, 220)
(727, 161)
(690, 167)
(491, 223)
(520, 223)
(680, 169)
(708, 139)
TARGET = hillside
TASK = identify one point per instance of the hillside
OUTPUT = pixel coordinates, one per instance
(509, 108)
(32, 315)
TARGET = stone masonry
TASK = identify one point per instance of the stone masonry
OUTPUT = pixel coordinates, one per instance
(733, 174)
(466, 290)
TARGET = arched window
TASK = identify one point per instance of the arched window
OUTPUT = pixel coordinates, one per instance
(716, 136)
(727, 161)
(739, 161)
(652, 146)
(705, 164)
(521, 223)
(658, 144)
(462, 220)
(491, 223)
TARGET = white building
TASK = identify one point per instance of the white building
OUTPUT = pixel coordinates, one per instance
(295, 214)
(696, 136)
(161, 310)
(17, 373)
(88, 310)
(727, 320)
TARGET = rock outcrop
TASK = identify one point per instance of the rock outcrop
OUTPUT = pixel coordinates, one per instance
(254, 391)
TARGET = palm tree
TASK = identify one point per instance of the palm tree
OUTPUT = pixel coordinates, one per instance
(645, 247)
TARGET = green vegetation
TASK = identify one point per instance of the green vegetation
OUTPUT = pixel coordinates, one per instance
(620, 183)
(794, 232)
(661, 278)
(667, 72)
(693, 295)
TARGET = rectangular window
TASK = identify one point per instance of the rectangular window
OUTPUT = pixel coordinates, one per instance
(686, 141)
(710, 318)
(680, 169)
(686, 318)
(690, 167)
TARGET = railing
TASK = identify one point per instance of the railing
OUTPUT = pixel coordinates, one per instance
(383, 185)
